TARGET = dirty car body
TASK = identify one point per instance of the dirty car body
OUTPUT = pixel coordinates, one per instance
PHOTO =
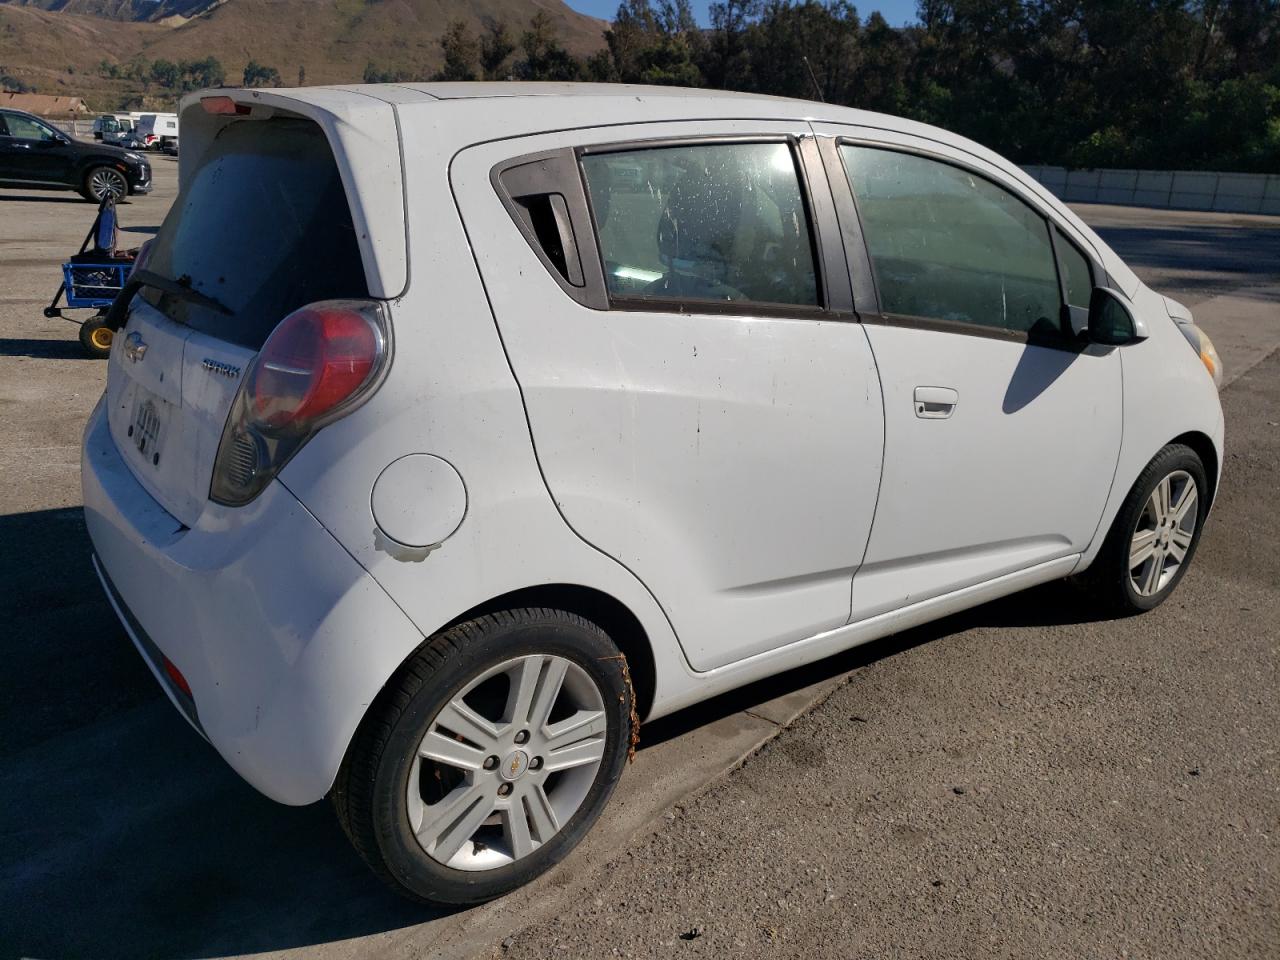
(667, 363)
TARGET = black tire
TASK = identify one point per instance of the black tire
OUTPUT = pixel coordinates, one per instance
(369, 795)
(96, 337)
(97, 180)
(1108, 580)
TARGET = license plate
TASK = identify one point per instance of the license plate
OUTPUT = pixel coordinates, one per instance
(146, 429)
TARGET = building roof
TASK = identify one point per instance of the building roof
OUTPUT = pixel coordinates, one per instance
(43, 104)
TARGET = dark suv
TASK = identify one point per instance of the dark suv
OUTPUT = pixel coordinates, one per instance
(34, 154)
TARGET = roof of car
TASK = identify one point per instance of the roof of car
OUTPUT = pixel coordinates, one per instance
(507, 88)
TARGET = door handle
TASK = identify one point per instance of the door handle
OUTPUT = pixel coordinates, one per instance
(935, 403)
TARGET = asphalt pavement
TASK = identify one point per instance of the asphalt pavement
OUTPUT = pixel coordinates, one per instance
(1019, 780)
(1023, 780)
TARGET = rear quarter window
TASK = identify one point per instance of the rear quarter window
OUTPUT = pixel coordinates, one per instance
(263, 228)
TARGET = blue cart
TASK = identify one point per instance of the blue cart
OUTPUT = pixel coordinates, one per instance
(92, 279)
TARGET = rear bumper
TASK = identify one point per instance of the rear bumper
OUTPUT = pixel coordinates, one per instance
(283, 638)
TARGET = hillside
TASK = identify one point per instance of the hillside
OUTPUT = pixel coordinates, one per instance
(58, 46)
(127, 10)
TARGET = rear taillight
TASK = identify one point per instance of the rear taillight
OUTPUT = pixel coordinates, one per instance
(318, 365)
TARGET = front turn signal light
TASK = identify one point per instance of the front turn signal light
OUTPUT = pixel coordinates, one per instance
(1204, 349)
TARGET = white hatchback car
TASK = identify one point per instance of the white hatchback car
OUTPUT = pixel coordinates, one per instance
(454, 429)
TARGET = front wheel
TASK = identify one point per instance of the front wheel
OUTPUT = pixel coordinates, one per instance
(1155, 534)
(488, 757)
(100, 182)
(95, 337)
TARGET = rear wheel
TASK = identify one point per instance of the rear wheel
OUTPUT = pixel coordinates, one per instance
(95, 337)
(1154, 536)
(101, 181)
(489, 756)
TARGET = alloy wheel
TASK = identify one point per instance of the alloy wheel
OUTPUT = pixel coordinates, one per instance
(507, 762)
(1164, 533)
(107, 181)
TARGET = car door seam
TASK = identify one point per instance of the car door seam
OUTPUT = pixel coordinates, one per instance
(528, 421)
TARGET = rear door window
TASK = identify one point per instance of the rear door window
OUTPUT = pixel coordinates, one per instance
(704, 222)
(263, 228)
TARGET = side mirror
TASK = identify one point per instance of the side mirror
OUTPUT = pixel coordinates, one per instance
(1111, 318)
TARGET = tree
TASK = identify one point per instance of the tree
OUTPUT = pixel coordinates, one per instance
(544, 57)
(496, 46)
(828, 35)
(137, 69)
(165, 73)
(461, 53)
(727, 64)
(260, 75)
(650, 45)
(198, 74)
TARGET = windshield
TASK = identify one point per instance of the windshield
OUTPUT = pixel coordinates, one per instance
(263, 228)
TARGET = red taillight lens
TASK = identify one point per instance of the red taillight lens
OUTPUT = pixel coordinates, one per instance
(317, 358)
(319, 364)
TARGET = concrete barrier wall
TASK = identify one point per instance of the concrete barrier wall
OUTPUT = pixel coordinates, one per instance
(1173, 189)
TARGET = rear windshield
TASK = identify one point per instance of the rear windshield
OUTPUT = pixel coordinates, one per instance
(263, 229)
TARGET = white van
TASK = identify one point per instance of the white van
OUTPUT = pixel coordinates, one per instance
(113, 127)
(435, 456)
(157, 131)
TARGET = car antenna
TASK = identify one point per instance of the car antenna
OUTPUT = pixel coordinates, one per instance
(817, 87)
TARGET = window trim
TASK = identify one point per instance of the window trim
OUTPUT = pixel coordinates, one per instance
(1074, 314)
(830, 262)
(848, 208)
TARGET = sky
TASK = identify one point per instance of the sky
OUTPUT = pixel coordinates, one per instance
(897, 12)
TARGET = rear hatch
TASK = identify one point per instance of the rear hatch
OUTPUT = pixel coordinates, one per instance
(261, 228)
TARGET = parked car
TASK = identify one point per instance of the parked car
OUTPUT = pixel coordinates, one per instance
(433, 461)
(34, 154)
